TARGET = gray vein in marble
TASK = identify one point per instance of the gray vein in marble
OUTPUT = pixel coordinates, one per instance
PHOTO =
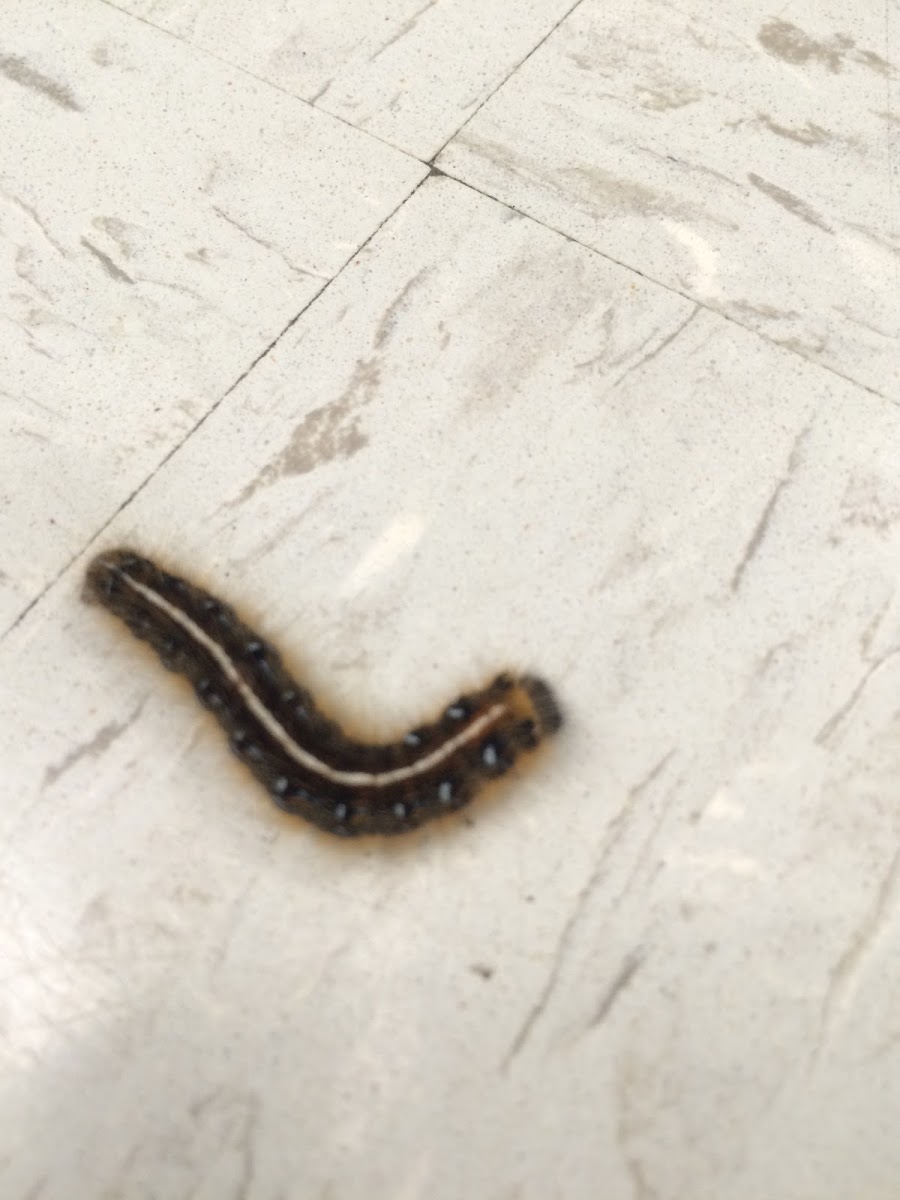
(500, 154)
(629, 196)
(858, 320)
(37, 317)
(872, 629)
(652, 833)
(789, 201)
(94, 748)
(809, 134)
(393, 104)
(811, 348)
(32, 214)
(839, 716)
(614, 829)
(317, 96)
(662, 345)
(629, 969)
(246, 1147)
(238, 1115)
(387, 324)
(607, 323)
(24, 398)
(26, 270)
(611, 192)
(882, 239)
(849, 967)
(112, 270)
(121, 232)
(678, 96)
(281, 529)
(404, 29)
(762, 525)
(267, 245)
(32, 434)
(32, 341)
(625, 1131)
(767, 312)
(791, 44)
(21, 72)
(694, 168)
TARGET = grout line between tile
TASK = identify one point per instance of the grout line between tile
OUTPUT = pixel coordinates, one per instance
(506, 78)
(433, 171)
(205, 417)
(442, 171)
(666, 287)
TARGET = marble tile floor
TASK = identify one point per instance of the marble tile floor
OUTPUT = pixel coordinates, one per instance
(442, 336)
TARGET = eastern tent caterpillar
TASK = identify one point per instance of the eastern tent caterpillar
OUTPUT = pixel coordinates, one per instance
(306, 762)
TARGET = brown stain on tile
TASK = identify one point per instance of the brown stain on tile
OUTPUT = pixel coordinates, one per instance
(392, 314)
(327, 434)
(660, 99)
(21, 72)
(93, 748)
(333, 431)
(324, 435)
(790, 202)
(872, 502)
(111, 269)
(613, 196)
(783, 40)
(807, 135)
(126, 235)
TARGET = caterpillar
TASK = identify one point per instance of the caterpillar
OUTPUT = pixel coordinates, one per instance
(305, 760)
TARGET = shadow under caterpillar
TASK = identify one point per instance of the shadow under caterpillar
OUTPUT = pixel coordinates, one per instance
(306, 762)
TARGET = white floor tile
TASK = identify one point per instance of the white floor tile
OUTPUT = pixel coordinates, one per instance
(409, 71)
(662, 949)
(163, 218)
(414, 436)
(744, 159)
